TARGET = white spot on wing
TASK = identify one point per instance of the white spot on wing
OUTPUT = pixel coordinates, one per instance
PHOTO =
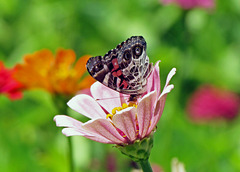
(106, 78)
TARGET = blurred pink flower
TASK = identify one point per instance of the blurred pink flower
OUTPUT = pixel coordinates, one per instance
(127, 122)
(211, 103)
(8, 85)
(188, 4)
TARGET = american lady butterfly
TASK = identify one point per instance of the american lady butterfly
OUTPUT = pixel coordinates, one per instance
(124, 69)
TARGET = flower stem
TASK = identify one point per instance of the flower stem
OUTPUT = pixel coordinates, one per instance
(70, 154)
(146, 167)
(60, 104)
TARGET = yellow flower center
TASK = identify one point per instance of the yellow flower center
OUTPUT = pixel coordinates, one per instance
(124, 106)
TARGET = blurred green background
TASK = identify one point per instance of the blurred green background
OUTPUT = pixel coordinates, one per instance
(204, 46)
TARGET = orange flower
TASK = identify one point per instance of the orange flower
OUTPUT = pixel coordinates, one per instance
(56, 75)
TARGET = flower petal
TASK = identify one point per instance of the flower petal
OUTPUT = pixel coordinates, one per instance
(153, 82)
(15, 95)
(145, 111)
(105, 96)
(167, 89)
(64, 59)
(104, 128)
(160, 107)
(161, 100)
(73, 132)
(75, 129)
(169, 77)
(86, 82)
(77, 132)
(35, 69)
(87, 106)
(125, 120)
(75, 125)
(67, 121)
(79, 65)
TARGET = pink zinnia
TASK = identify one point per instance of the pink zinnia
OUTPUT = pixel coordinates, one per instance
(112, 119)
(8, 85)
(188, 4)
(211, 103)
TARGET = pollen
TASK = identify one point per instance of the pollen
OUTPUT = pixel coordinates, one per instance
(124, 105)
(132, 104)
(117, 109)
(109, 116)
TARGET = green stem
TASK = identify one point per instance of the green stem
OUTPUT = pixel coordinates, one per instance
(70, 154)
(60, 104)
(146, 167)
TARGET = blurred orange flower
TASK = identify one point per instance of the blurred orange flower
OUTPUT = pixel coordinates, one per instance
(57, 75)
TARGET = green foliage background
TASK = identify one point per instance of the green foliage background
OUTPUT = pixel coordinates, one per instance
(203, 45)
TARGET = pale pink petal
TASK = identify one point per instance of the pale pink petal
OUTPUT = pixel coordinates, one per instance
(100, 139)
(124, 98)
(167, 89)
(73, 132)
(125, 120)
(105, 96)
(77, 132)
(153, 82)
(158, 112)
(75, 125)
(84, 91)
(104, 128)
(160, 107)
(161, 101)
(66, 121)
(145, 111)
(75, 129)
(86, 106)
(169, 77)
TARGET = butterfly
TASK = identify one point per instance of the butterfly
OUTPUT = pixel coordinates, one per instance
(124, 69)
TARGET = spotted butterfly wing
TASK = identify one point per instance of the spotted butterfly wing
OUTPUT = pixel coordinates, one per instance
(125, 68)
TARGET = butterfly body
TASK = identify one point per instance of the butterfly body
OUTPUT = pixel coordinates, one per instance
(124, 69)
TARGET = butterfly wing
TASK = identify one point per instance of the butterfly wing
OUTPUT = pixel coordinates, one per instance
(125, 68)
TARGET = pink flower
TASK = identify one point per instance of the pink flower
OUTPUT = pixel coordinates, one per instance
(211, 103)
(188, 4)
(8, 85)
(112, 119)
